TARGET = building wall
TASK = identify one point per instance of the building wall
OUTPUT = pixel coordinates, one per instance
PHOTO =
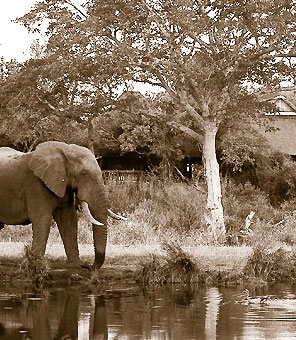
(282, 106)
(283, 137)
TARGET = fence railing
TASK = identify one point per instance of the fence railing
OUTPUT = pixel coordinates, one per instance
(123, 175)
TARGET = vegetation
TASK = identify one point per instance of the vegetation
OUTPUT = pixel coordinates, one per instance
(272, 265)
(166, 239)
(35, 269)
(205, 58)
(201, 54)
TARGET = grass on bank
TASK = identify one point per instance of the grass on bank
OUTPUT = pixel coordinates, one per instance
(169, 215)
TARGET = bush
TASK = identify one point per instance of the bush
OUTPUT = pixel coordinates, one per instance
(127, 195)
(175, 267)
(273, 235)
(274, 174)
(269, 265)
(239, 200)
(35, 269)
(168, 211)
(158, 210)
(277, 177)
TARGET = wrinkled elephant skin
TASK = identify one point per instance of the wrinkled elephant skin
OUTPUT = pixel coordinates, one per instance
(41, 186)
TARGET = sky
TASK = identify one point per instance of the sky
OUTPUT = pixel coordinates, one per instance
(15, 40)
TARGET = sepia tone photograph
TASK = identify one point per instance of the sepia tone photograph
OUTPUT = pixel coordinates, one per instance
(147, 170)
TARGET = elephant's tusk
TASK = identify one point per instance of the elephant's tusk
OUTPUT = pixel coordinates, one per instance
(89, 215)
(117, 217)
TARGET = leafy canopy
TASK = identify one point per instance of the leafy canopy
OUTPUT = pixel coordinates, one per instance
(200, 52)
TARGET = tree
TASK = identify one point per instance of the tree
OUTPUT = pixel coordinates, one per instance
(27, 117)
(202, 53)
(145, 129)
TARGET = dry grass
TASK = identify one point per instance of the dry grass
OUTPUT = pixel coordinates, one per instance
(211, 257)
(172, 214)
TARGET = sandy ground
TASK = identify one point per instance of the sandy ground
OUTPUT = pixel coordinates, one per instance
(208, 256)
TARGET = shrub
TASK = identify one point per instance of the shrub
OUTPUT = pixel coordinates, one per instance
(269, 265)
(175, 267)
(127, 195)
(239, 200)
(35, 269)
(161, 210)
(276, 176)
(177, 206)
(12, 233)
(273, 173)
(271, 235)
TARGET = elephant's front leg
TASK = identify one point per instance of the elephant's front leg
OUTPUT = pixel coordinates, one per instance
(41, 227)
(66, 220)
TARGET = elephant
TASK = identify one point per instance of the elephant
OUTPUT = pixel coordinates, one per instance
(44, 185)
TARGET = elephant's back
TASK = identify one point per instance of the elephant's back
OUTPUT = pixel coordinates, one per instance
(7, 154)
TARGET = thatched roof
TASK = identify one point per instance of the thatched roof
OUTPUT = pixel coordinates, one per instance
(283, 136)
(288, 94)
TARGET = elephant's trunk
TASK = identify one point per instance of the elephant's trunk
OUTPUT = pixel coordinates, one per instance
(100, 240)
(98, 218)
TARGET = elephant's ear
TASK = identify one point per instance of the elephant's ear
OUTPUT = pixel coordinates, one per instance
(48, 163)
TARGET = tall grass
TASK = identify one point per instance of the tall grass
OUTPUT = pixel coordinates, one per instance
(175, 267)
(35, 269)
(276, 265)
(163, 214)
(158, 212)
(167, 211)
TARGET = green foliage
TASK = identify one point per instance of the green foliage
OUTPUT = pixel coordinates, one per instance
(30, 106)
(158, 212)
(142, 124)
(126, 196)
(239, 144)
(272, 172)
(200, 55)
(277, 232)
(146, 128)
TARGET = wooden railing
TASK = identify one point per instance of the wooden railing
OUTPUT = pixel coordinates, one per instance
(123, 175)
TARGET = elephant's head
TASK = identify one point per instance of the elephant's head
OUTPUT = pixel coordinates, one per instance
(60, 166)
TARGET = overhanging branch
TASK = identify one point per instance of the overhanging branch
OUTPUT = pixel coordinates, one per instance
(76, 8)
(189, 132)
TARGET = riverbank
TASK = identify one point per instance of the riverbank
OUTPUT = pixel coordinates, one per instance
(166, 240)
(147, 264)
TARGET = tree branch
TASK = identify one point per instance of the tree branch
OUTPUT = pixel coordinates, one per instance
(76, 8)
(55, 110)
(159, 20)
(165, 85)
(189, 132)
(147, 81)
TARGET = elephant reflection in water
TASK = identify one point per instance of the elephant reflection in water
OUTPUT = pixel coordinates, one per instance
(44, 327)
(68, 328)
(100, 330)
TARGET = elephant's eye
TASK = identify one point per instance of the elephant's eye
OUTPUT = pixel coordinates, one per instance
(83, 173)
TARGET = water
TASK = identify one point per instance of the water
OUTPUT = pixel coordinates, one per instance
(133, 312)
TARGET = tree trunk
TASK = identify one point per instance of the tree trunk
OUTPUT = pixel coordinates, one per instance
(90, 134)
(214, 210)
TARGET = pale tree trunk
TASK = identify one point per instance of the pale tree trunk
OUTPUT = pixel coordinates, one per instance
(214, 209)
